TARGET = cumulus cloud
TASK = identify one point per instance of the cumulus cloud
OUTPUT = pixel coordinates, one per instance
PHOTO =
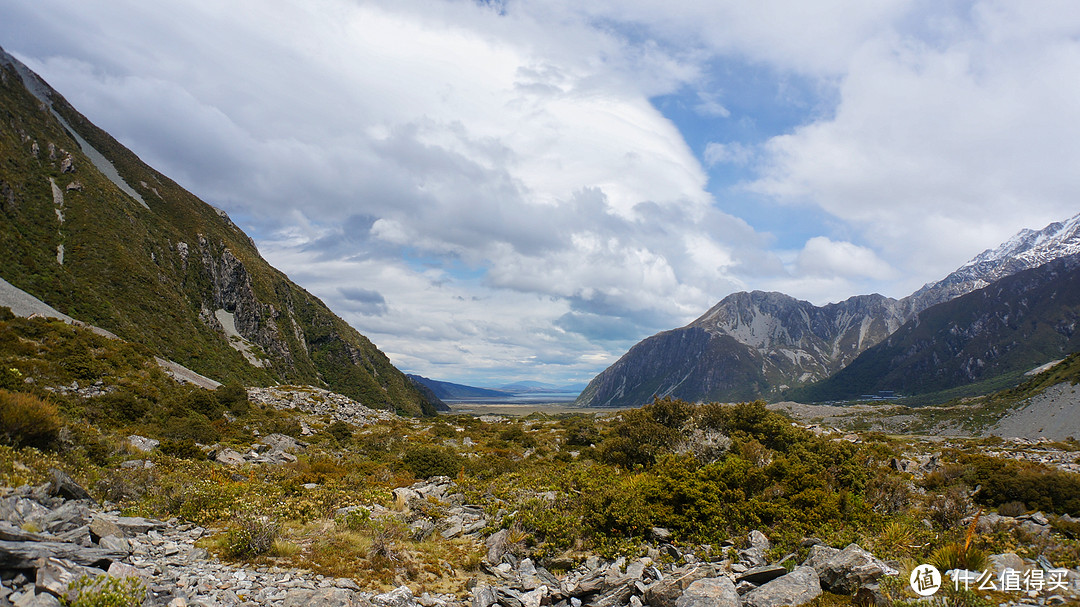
(488, 191)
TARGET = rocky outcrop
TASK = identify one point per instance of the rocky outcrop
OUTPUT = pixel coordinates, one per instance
(317, 401)
(796, 588)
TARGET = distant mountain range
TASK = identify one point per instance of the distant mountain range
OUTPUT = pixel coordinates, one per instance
(91, 230)
(764, 345)
(452, 391)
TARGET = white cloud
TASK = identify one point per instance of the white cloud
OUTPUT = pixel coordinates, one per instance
(727, 153)
(472, 188)
(940, 148)
(823, 256)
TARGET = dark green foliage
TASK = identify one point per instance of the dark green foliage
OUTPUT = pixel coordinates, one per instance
(234, 398)
(580, 431)
(425, 462)
(515, 433)
(340, 431)
(183, 449)
(193, 426)
(1040, 488)
(122, 406)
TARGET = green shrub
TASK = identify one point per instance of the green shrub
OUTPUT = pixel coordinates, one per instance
(1039, 487)
(123, 406)
(183, 449)
(193, 427)
(107, 591)
(1013, 508)
(250, 535)
(425, 462)
(234, 398)
(340, 431)
(27, 421)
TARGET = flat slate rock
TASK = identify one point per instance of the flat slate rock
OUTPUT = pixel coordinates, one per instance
(761, 575)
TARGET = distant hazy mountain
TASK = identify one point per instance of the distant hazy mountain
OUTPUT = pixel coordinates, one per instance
(445, 389)
(88, 228)
(758, 345)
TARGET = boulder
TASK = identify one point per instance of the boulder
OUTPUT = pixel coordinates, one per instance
(709, 592)
(64, 486)
(1009, 560)
(141, 443)
(24, 555)
(668, 590)
(230, 457)
(850, 569)
(398, 597)
(102, 527)
(322, 597)
(761, 575)
(819, 555)
(55, 575)
(282, 442)
(496, 545)
(796, 588)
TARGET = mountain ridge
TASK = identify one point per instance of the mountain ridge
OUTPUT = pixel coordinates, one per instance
(796, 343)
(161, 268)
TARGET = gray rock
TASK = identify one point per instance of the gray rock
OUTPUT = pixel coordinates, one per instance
(141, 443)
(796, 588)
(102, 527)
(230, 457)
(282, 442)
(496, 545)
(759, 541)
(761, 575)
(709, 592)
(850, 569)
(819, 555)
(871, 596)
(136, 525)
(668, 590)
(660, 534)
(24, 555)
(398, 597)
(1008, 560)
(321, 597)
(64, 486)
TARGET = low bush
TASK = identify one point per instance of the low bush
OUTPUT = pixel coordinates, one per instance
(425, 462)
(250, 535)
(28, 421)
(107, 591)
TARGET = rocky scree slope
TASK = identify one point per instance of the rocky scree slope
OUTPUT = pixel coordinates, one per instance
(778, 342)
(97, 234)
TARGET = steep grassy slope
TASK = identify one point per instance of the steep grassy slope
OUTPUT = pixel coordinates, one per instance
(162, 271)
(972, 344)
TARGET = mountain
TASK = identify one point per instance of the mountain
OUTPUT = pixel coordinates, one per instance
(748, 346)
(94, 232)
(997, 333)
(758, 345)
(445, 389)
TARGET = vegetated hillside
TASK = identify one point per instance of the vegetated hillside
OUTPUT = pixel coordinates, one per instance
(97, 234)
(985, 339)
(750, 345)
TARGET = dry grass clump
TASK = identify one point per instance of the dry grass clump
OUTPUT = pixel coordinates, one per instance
(27, 421)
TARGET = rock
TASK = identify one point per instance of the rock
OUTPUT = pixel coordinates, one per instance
(321, 597)
(660, 534)
(102, 527)
(668, 590)
(398, 597)
(64, 486)
(230, 457)
(616, 596)
(141, 443)
(137, 525)
(759, 541)
(871, 596)
(496, 545)
(24, 555)
(819, 555)
(850, 569)
(75, 185)
(55, 575)
(761, 575)
(483, 596)
(282, 442)
(1009, 560)
(67, 165)
(796, 588)
(709, 592)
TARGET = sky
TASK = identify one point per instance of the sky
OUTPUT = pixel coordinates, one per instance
(495, 191)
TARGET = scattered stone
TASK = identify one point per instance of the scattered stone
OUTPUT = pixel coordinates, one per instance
(141, 443)
(850, 569)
